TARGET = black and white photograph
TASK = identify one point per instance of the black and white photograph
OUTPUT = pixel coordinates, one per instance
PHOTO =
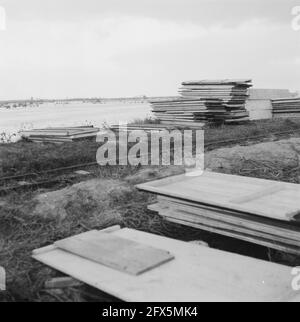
(149, 154)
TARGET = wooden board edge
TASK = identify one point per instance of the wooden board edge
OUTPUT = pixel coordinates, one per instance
(52, 247)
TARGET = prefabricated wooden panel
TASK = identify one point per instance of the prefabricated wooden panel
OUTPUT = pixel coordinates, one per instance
(284, 227)
(226, 191)
(286, 107)
(286, 115)
(115, 252)
(196, 274)
(218, 82)
(288, 249)
(279, 101)
(259, 227)
(231, 230)
(210, 101)
(60, 134)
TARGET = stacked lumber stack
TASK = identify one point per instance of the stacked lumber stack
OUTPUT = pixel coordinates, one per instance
(254, 210)
(259, 103)
(147, 127)
(205, 101)
(286, 107)
(60, 134)
(140, 127)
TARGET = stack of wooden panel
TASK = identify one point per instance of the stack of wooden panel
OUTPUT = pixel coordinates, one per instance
(259, 211)
(60, 134)
(286, 107)
(140, 127)
(259, 103)
(147, 127)
(205, 101)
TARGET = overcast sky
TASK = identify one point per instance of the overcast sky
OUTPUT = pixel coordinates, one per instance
(94, 48)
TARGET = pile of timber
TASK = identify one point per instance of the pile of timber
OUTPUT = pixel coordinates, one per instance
(259, 103)
(286, 107)
(139, 127)
(148, 127)
(60, 134)
(220, 101)
(259, 211)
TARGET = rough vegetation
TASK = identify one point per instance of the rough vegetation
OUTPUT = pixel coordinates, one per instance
(278, 160)
(25, 157)
(34, 219)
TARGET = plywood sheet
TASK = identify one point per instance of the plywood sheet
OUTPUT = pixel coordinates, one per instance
(193, 214)
(196, 274)
(242, 236)
(219, 227)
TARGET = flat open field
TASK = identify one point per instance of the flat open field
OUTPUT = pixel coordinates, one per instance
(73, 114)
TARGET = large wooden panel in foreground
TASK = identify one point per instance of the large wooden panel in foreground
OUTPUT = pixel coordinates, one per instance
(197, 273)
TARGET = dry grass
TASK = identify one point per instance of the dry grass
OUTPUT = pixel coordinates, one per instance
(24, 157)
(257, 128)
(20, 233)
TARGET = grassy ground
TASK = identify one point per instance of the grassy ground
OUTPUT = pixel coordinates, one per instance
(20, 232)
(25, 157)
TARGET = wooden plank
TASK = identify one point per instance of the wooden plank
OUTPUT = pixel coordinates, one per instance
(115, 252)
(217, 82)
(287, 233)
(242, 236)
(52, 247)
(285, 227)
(281, 236)
(235, 225)
(196, 274)
(82, 172)
(234, 228)
(62, 282)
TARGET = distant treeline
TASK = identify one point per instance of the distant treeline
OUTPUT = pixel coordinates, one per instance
(37, 102)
